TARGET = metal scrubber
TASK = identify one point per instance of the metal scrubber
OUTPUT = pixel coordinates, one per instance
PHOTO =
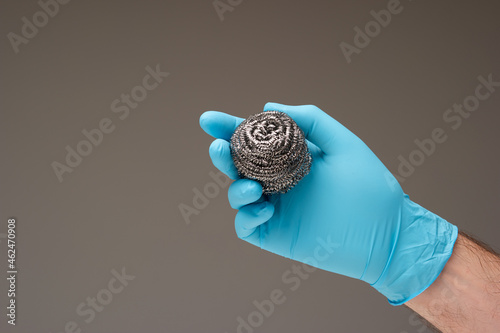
(270, 148)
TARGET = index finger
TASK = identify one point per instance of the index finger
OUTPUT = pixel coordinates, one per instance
(220, 125)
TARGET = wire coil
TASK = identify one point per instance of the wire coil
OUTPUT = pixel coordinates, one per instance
(269, 147)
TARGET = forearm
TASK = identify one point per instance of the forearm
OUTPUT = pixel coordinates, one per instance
(466, 295)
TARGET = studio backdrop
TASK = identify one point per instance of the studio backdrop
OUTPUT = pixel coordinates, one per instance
(119, 220)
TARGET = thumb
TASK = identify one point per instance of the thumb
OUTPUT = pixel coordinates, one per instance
(318, 127)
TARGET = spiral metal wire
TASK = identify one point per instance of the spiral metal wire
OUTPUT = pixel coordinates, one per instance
(270, 148)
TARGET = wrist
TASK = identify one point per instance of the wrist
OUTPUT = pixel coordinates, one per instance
(464, 297)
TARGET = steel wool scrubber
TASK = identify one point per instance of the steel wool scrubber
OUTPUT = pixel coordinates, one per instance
(269, 147)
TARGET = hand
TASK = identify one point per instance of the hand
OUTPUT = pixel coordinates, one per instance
(348, 215)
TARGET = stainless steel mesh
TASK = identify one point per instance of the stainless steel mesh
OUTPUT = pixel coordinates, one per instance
(270, 148)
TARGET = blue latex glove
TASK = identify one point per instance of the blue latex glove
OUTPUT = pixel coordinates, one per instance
(349, 215)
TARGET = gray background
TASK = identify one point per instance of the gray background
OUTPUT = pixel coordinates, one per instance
(120, 207)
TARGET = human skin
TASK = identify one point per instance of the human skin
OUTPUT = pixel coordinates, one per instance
(466, 295)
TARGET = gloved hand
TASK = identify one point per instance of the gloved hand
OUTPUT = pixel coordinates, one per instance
(349, 215)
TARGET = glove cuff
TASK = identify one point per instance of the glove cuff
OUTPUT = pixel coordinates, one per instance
(424, 245)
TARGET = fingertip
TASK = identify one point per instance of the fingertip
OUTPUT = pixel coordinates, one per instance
(272, 106)
(252, 216)
(243, 192)
(247, 187)
(217, 148)
(219, 124)
(220, 153)
(204, 120)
